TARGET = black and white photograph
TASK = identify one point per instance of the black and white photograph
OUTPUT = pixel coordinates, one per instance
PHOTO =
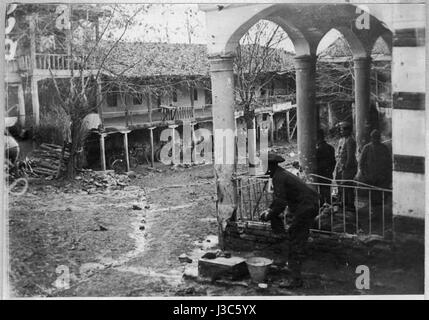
(213, 150)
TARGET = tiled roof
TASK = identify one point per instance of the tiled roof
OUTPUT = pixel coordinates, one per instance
(149, 59)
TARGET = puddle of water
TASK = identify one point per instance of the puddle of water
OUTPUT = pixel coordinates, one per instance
(153, 210)
(208, 219)
(173, 277)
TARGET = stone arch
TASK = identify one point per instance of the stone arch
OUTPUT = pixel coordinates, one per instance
(356, 46)
(301, 45)
(386, 39)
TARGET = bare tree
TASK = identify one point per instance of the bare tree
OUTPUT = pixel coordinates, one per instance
(76, 95)
(258, 56)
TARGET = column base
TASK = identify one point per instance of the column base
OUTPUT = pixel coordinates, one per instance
(408, 228)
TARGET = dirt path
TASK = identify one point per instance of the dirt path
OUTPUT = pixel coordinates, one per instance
(110, 249)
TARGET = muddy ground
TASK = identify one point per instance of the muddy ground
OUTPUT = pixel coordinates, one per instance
(126, 242)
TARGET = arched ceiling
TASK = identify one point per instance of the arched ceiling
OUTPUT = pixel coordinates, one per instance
(306, 24)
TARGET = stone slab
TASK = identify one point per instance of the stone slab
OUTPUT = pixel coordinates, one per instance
(232, 268)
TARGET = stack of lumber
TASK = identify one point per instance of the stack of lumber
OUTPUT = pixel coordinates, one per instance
(48, 158)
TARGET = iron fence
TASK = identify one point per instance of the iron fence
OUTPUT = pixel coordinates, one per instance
(345, 207)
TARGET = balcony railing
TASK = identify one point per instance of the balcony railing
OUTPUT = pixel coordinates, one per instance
(51, 61)
(157, 115)
(270, 100)
(177, 113)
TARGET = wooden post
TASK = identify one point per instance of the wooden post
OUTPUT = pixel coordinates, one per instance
(97, 30)
(35, 100)
(32, 29)
(252, 141)
(287, 125)
(331, 119)
(191, 94)
(127, 157)
(194, 154)
(149, 106)
(271, 115)
(152, 151)
(99, 99)
(69, 33)
(21, 105)
(102, 152)
(33, 66)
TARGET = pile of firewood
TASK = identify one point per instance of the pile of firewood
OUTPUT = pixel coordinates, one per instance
(49, 160)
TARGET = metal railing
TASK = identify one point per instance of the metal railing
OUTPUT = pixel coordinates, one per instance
(253, 196)
(369, 211)
(353, 208)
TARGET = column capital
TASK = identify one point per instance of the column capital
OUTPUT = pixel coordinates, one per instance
(362, 62)
(220, 63)
(305, 61)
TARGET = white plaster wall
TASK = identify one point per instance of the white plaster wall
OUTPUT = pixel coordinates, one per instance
(408, 69)
(183, 99)
(409, 194)
(396, 15)
(408, 135)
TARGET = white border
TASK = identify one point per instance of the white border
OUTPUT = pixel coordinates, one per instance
(4, 263)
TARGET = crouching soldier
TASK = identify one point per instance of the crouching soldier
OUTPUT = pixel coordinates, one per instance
(302, 201)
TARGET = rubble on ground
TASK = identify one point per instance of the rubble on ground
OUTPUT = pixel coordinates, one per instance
(92, 181)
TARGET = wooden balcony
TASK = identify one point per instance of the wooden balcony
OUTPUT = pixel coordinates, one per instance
(158, 116)
(47, 64)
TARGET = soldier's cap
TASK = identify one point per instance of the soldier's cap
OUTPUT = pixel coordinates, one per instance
(344, 124)
(275, 158)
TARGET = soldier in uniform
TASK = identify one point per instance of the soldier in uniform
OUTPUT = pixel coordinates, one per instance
(302, 202)
(325, 155)
(346, 166)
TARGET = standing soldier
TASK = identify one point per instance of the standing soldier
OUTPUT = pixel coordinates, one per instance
(375, 163)
(346, 166)
(375, 166)
(302, 202)
(325, 155)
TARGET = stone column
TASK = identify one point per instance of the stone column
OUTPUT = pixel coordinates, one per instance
(362, 68)
(222, 80)
(307, 112)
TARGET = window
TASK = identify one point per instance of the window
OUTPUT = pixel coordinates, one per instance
(137, 99)
(207, 96)
(195, 94)
(175, 95)
(111, 99)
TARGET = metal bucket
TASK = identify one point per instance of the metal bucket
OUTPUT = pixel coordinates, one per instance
(258, 268)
